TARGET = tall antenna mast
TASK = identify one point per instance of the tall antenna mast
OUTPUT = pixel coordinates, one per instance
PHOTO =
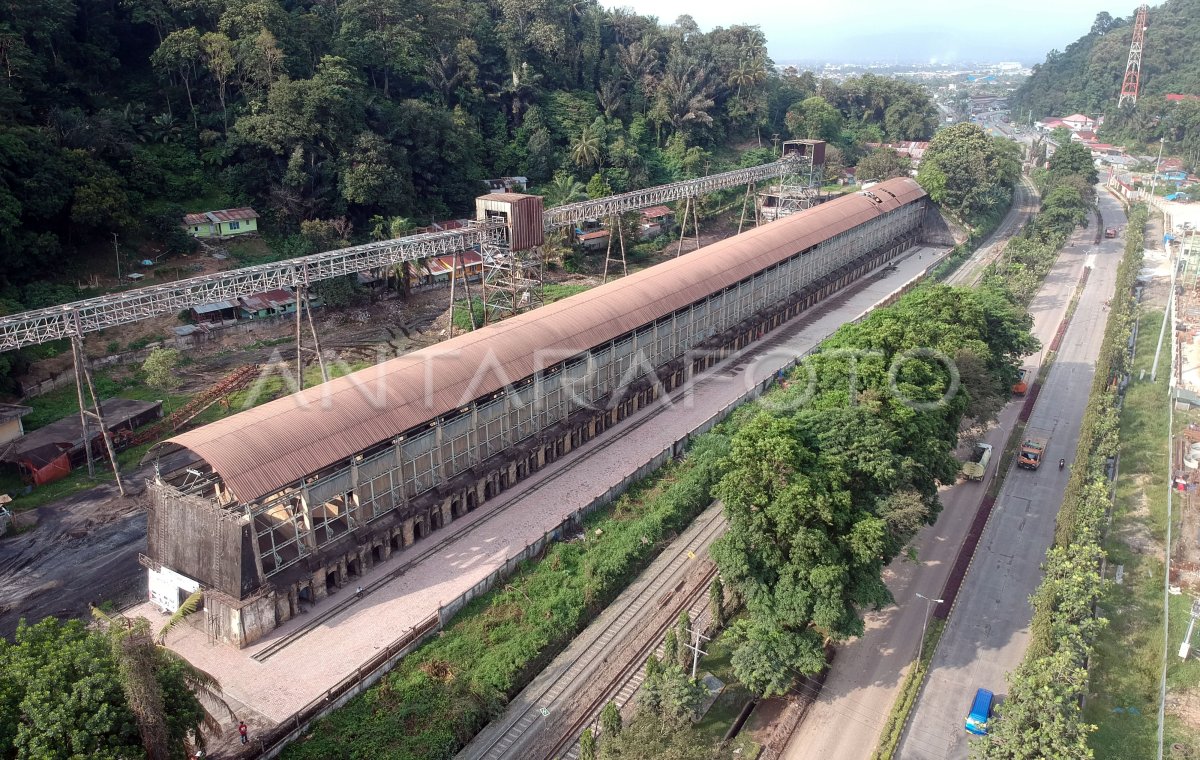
(1133, 69)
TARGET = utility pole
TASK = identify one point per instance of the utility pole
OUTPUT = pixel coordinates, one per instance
(696, 651)
(1157, 162)
(117, 251)
(924, 625)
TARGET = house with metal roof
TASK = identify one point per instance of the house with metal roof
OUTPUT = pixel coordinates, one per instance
(10, 422)
(221, 224)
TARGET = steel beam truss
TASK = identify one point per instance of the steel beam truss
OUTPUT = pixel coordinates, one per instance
(512, 281)
(1133, 67)
(94, 314)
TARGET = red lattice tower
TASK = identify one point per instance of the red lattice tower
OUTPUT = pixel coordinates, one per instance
(1133, 69)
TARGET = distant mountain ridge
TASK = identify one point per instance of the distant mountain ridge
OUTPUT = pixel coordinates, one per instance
(1086, 76)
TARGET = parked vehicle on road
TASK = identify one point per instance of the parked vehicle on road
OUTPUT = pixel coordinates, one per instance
(1021, 387)
(981, 710)
(1110, 232)
(975, 467)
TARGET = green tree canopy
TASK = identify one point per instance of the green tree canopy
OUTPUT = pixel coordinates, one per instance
(815, 119)
(881, 164)
(61, 696)
(968, 172)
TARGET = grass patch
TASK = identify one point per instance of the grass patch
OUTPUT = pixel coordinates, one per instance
(893, 729)
(250, 250)
(1126, 668)
(552, 292)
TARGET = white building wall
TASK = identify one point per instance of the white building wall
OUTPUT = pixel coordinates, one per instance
(165, 588)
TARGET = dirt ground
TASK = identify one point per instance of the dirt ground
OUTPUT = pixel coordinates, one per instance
(1185, 705)
(84, 549)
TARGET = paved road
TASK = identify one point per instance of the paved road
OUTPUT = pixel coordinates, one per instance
(989, 626)
(845, 722)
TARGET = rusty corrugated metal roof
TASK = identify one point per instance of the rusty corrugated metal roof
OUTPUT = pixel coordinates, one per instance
(262, 450)
(224, 215)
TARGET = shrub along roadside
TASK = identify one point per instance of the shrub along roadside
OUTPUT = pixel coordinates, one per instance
(1041, 717)
(440, 696)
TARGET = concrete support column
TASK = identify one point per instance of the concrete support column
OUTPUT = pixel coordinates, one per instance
(318, 585)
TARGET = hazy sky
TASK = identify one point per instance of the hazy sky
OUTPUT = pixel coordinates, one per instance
(865, 30)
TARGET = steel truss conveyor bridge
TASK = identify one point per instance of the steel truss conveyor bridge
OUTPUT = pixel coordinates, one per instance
(73, 320)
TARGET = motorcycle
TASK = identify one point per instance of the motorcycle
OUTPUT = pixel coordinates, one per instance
(1062, 463)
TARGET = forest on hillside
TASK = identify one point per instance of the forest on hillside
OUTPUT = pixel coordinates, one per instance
(119, 115)
(1086, 78)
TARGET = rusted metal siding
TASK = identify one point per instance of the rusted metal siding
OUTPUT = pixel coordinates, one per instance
(524, 214)
(262, 450)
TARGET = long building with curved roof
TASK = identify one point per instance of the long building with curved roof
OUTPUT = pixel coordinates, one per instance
(283, 501)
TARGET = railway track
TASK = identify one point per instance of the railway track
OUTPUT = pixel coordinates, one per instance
(621, 690)
(659, 601)
(1025, 204)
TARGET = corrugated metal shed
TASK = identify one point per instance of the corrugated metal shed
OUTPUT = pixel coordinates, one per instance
(261, 450)
(524, 214)
(210, 308)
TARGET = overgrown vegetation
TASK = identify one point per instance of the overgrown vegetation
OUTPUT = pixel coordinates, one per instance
(65, 691)
(833, 475)
(654, 732)
(1041, 716)
(437, 698)
(970, 174)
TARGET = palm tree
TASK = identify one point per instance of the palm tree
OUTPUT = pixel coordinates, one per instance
(139, 657)
(609, 97)
(520, 91)
(563, 189)
(684, 95)
(586, 149)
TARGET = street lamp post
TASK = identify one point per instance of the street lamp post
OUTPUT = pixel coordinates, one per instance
(924, 625)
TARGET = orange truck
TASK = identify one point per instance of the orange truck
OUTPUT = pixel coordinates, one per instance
(1021, 387)
(1033, 451)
